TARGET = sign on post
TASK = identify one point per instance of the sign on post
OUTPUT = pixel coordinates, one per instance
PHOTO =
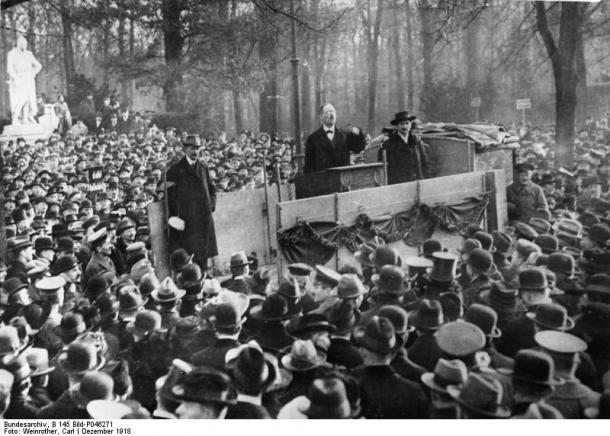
(524, 103)
(96, 177)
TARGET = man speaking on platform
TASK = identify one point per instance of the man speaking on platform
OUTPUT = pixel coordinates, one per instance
(329, 146)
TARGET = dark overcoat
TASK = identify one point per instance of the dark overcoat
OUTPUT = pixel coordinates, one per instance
(192, 197)
(406, 162)
(322, 153)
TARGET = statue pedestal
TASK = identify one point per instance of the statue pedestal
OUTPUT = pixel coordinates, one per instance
(29, 132)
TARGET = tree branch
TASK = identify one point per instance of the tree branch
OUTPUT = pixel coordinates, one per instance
(543, 28)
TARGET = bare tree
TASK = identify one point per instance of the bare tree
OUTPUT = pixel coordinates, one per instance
(371, 18)
(563, 55)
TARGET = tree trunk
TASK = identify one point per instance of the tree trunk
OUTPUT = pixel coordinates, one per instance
(319, 73)
(426, 14)
(563, 59)
(4, 48)
(471, 58)
(32, 27)
(372, 57)
(397, 59)
(268, 99)
(69, 68)
(410, 58)
(174, 44)
(307, 115)
(237, 111)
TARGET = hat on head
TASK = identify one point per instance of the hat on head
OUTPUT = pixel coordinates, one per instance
(430, 246)
(274, 308)
(178, 259)
(377, 335)
(18, 366)
(227, 317)
(525, 231)
(551, 317)
(124, 225)
(390, 280)
(250, 367)
(398, 317)
(205, 385)
(19, 244)
(300, 269)
(71, 325)
(429, 315)
(599, 233)
(327, 276)
(192, 141)
(10, 344)
(547, 243)
(486, 240)
(97, 238)
(384, 255)
(502, 242)
(446, 372)
(187, 327)
(480, 395)
(402, 116)
(13, 285)
(146, 322)
(343, 316)
(534, 368)
(167, 291)
(130, 302)
(540, 225)
(43, 243)
(533, 279)
(64, 263)
(485, 318)
(444, 267)
(481, 260)
(349, 286)
(363, 254)
(79, 358)
(417, 265)
(460, 338)
(107, 409)
(311, 322)
(303, 356)
(596, 319)
(560, 342)
(177, 372)
(38, 359)
(597, 262)
(239, 259)
(94, 385)
(327, 400)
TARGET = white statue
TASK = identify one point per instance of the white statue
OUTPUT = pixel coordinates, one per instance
(22, 68)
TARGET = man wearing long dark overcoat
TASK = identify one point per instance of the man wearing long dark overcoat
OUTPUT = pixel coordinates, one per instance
(191, 200)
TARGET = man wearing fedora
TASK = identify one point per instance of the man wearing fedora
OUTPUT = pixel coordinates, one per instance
(330, 146)
(407, 159)
(240, 269)
(205, 393)
(191, 198)
(523, 196)
(385, 394)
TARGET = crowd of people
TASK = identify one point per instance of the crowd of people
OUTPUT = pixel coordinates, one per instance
(514, 324)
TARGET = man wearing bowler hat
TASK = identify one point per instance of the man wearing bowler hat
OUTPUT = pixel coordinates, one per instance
(240, 269)
(407, 160)
(191, 201)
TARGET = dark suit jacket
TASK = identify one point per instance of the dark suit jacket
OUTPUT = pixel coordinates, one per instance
(124, 126)
(342, 353)
(96, 265)
(321, 153)
(518, 335)
(386, 395)
(425, 352)
(237, 285)
(406, 161)
(192, 197)
(243, 410)
(214, 355)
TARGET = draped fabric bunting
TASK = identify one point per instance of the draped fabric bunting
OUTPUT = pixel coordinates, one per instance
(316, 242)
